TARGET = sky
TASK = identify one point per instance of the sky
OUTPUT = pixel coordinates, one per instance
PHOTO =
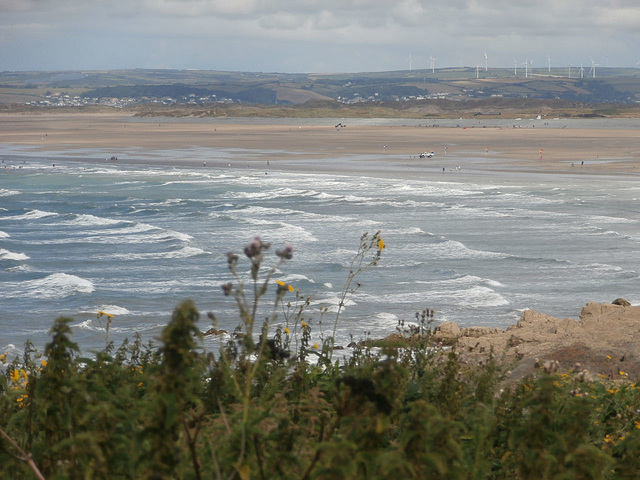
(315, 36)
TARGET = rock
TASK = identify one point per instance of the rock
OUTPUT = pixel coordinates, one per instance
(621, 301)
(479, 331)
(447, 331)
(214, 331)
(604, 339)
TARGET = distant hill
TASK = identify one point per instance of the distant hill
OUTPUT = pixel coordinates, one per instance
(125, 88)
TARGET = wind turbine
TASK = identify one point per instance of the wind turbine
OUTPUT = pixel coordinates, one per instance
(527, 65)
(432, 62)
(486, 62)
(515, 67)
(593, 68)
(477, 71)
(569, 70)
(409, 62)
(549, 62)
(581, 71)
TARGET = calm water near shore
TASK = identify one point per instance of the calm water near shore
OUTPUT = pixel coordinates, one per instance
(136, 240)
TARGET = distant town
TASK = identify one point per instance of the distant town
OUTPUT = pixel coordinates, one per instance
(65, 100)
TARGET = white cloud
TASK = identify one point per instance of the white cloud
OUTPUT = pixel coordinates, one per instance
(372, 31)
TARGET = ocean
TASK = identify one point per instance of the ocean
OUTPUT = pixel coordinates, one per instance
(136, 240)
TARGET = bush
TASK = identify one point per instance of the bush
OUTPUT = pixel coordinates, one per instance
(274, 404)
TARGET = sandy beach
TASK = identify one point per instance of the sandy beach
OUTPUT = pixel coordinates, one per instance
(321, 147)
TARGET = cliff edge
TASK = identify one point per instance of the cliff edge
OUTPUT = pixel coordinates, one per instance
(604, 341)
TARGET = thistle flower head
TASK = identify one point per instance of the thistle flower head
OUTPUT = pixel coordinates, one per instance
(285, 253)
(256, 247)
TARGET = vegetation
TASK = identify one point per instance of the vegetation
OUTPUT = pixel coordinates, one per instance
(274, 403)
(612, 85)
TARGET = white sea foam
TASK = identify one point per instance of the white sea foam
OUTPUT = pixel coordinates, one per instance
(183, 252)
(87, 220)
(157, 236)
(56, 285)
(5, 193)
(463, 280)
(384, 319)
(294, 277)
(332, 303)
(448, 249)
(20, 268)
(607, 219)
(4, 234)
(7, 255)
(30, 215)
(112, 309)
(96, 325)
(403, 231)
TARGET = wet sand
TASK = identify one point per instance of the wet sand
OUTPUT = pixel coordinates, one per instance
(380, 149)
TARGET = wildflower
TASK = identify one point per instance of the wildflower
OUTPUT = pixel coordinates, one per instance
(3, 357)
(15, 376)
(624, 374)
(316, 346)
(608, 439)
(637, 424)
(140, 384)
(256, 247)
(105, 314)
(232, 258)
(286, 330)
(226, 289)
(304, 324)
(380, 244)
(43, 363)
(608, 357)
(285, 253)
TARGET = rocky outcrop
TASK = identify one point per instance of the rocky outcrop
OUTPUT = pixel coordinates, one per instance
(605, 340)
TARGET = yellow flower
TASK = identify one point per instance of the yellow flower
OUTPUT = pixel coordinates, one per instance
(3, 357)
(105, 314)
(43, 363)
(304, 324)
(380, 244)
(284, 285)
(24, 374)
(623, 373)
(15, 376)
(315, 345)
(140, 384)
(608, 357)
(608, 438)
(286, 330)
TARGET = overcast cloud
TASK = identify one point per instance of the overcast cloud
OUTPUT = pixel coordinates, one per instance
(314, 35)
